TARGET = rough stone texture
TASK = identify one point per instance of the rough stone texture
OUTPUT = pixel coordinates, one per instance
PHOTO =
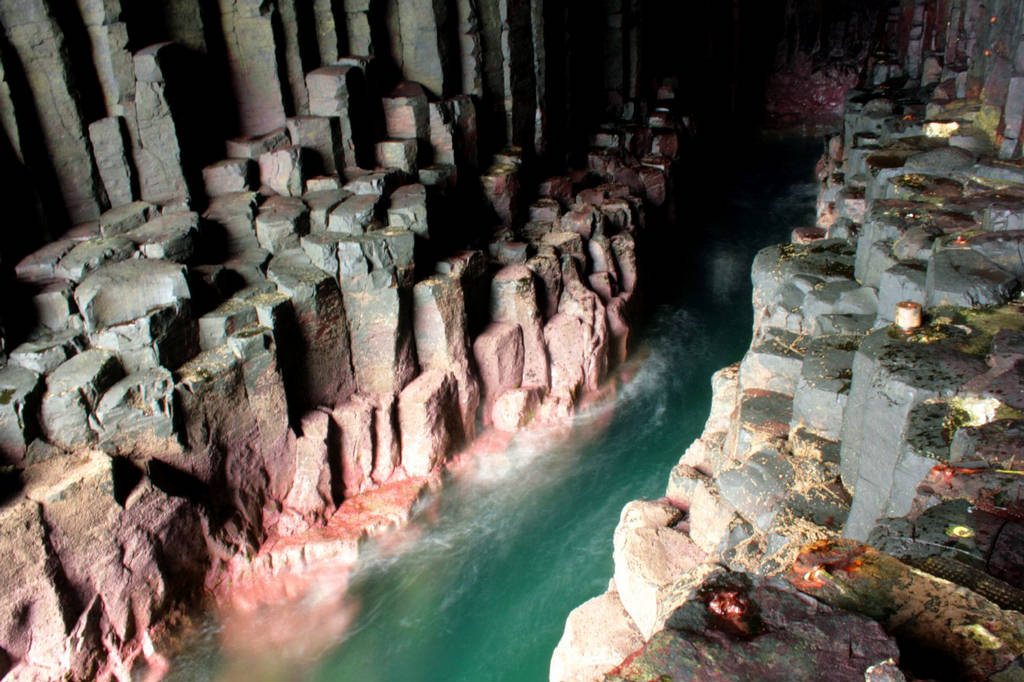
(310, 497)
(136, 416)
(35, 36)
(316, 342)
(121, 292)
(252, 52)
(72, 392)
(110, 145)
(158, 152)
(354, 420)
(333, 92)
(649, 554)
(20, 393)
(229, 176)
(498, 352)
(730, 627)
(598, 635)
(442, 340)
(281, 223)
(282, 171)
(322, 135)
(379, 316)
(90, 254)
(429, 421)
(891, 376)
(171, 237)
(514, 300)
(920, 610)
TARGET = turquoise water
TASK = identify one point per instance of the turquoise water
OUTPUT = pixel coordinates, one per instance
(502, 556)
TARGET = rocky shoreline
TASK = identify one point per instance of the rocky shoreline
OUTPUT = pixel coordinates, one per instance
(222, 407)
(852, 509)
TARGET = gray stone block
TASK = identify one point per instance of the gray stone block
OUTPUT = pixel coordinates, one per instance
(963, 277)
(281, 223)
(125, 291)
(20, 393)
(72, 393)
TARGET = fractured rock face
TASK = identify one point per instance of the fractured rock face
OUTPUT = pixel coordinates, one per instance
(731, 627)
(429, 420)
(20, 393)
(73, 391)
(514, 300)
(649, 555)
(122, 292)
(598, 635)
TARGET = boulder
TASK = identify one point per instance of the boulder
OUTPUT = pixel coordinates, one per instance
(43, 353)
(321, 203)
(89, 255)
(229, 176)
(354, 216)
(125, 218)
(281, 223)
(408, 209)
(171, 237)
(165, 336)
(136, 416)
(283, 171)
(598, 635)
(649, 554)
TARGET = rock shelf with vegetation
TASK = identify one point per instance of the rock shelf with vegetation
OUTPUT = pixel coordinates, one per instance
(853, 508)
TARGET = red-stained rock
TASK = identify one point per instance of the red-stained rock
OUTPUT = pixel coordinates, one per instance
(584, 219)
(429, 420)
(310, 499)
(442, 342)
(514, 300)
(498, 352)
(733, 628)
(353, 441)
(516, 407)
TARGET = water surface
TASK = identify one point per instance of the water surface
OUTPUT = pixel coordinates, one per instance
(504, 554)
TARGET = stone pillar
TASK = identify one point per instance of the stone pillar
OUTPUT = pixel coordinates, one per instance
(158, 151)
(252, 47)
(38, 44)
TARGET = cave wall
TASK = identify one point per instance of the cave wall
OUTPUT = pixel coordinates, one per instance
(94, 115)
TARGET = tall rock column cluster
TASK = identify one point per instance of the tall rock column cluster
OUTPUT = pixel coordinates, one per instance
(859, 453)
(229, 346)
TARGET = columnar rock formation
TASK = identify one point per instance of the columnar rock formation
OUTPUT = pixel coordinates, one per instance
(858, 454)
(267, 277)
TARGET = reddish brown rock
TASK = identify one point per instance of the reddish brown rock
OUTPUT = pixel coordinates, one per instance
(514, 299)
(429, 420)
(309, 500)
(498, 352)
(442, 342)
(353, 439)
(516, 407)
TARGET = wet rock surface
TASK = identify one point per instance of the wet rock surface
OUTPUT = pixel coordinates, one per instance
(852, 456)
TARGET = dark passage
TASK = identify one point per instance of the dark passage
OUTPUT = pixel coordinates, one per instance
(504, 556)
